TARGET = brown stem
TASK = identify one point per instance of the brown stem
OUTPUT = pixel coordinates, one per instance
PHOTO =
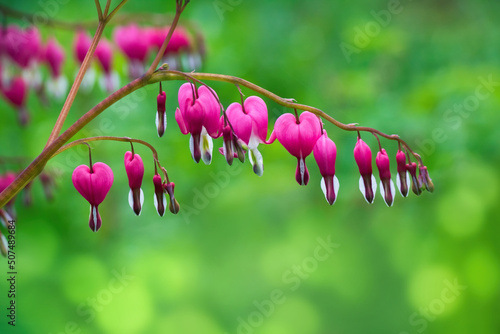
(99, 10)
(111, 138)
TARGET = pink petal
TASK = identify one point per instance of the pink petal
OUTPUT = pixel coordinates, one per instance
(242, 123)
(180, 121)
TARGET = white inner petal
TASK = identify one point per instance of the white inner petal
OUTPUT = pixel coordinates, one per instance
(141, 198)
(191, 146)
(206, 147)
(256, 160)
(374, 187)
(93, 208)
(323, 187)
(336, 186)
(131, 199)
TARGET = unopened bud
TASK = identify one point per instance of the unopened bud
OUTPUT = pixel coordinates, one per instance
(173, 205)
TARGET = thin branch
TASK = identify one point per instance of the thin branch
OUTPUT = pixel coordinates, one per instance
(110, 138)
(106, 10)
(50, 22)
(99, 10)
(113, 13)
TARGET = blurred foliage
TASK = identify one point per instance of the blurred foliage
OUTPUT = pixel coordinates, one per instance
(226, 263)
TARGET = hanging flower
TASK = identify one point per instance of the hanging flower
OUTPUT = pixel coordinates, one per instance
(160, 199)
(403, 177)
(298, 136)
(198, 114)
(133, 42)
(81, 46)
(249, 122)
(135, 172)
(325, 153)
(387, 189)
(367, 182)
(16, 92)
(93, 184)
(161, 116)
(54, 56)
(104, 54)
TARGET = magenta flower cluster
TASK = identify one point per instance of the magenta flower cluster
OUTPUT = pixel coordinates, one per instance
(23, 54)
(244, 126)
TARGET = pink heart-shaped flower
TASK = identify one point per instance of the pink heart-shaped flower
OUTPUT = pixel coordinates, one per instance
(93, 186)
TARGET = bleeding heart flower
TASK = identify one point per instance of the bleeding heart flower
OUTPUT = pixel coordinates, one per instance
(160, 199)
(325, 153)
(387, 189)
(104, 54)
(93, 184)
(134, 44)
(425, 179)
(403, 177)
(173, 205)
(298, 137)
(367, 182)
(161, 116)
(23, 46)
(249, 123)
(54, 56)
(198, 114)
(16, 92)
(416, 187)
(135, 172)
(81, 46)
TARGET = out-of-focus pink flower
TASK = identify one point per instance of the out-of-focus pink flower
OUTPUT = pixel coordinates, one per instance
(54, 56)
(22, 46)
(133, 42)
(104, 54)
(81, 46)
(16, 92)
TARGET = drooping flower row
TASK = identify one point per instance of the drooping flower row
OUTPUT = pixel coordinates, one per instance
(94, 182)
(245, 126)
(23, 54)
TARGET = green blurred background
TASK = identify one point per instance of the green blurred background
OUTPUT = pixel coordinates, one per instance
(242, 256)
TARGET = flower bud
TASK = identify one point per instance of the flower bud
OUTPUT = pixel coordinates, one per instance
(367, 182)
(159, 198)
(135, 172)
(387, 189)
(173, 205)
(415, 183)
(425, 179)
(227, 135)
(325, 154)
(403, 177)
(161, 117)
